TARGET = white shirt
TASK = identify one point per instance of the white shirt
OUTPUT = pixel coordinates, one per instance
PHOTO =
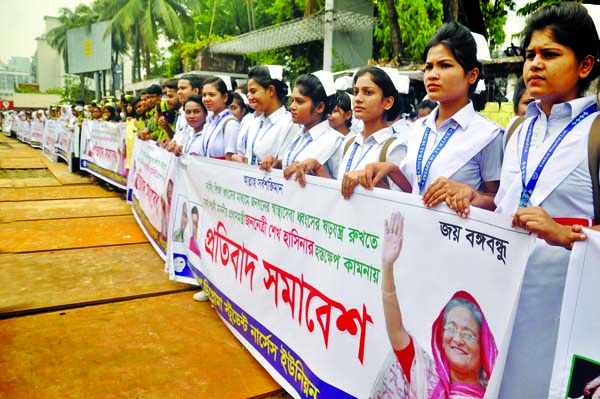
(566, 176)
(242, 138)
(472, 155)
(193, 142)
(402, 129)
(321, 142)
(181, 127)
(269, 135)
(564, 190)
(362, 152)
(220, 134)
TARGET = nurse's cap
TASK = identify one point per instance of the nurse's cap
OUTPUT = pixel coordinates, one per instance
(344, 83)
(227, 80)
(594, 11)
(480, 86)
(275, 71)
(483, 50)
(244, 98)
(401, 82)
(326, 79)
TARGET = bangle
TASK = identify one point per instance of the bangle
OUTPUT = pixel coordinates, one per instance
(315, 170)
(389, 293)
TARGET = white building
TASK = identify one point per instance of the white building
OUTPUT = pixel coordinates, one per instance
(10, 76)
(48, 64)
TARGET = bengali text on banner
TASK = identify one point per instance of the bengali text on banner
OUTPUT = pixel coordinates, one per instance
(295, 273)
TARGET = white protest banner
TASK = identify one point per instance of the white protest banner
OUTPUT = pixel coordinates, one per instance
(295, 273)
(150, 190)
(577, 359)
(49, 139)
(37, 134)
(103, 151)
(6, 122)
(63, 142)
(23, 131)
(67, 143)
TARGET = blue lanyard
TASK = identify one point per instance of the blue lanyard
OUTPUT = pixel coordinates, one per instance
(287, 161)
(260, 126)
(530, 186)
(216, 123)
(354, 149)
(423, 173)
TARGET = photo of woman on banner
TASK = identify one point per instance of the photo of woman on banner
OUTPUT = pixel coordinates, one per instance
(166, 209)
(180, 234)
(195, 227)
(462, 345)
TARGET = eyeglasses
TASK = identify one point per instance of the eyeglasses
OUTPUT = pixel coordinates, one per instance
(465, 335)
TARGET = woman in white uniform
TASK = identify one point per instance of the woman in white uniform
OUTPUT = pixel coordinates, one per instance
(221, 130)
(312, 100)
(376, 105)
(270, 133)
(195, 114)
(453, 149)
(546, 183)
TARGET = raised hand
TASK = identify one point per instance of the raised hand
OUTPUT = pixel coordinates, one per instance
(392, 240)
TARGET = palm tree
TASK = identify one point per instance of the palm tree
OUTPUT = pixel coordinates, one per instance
(142, 21)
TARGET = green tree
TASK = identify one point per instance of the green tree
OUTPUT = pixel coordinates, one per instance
(494, 17)
(417, 21)
(532, 6)
(143, 21)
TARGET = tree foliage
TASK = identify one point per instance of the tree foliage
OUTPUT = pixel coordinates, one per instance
(533, 6)
(190, 25)
(417, 19)
(495, 13)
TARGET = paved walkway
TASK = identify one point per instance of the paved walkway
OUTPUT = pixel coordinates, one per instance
(86, 310)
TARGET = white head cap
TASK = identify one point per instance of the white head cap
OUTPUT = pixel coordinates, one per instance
(594, 11)
(401, 82)
(483, 50)
(344, 83)
(275, 71)
(480, 87)
(227, 80)
(326, 79)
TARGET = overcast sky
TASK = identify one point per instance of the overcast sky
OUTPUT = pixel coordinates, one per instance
(21, 21)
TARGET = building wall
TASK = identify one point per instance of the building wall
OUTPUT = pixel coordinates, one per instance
(23, 100)
(9, 78)
(49, 65)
